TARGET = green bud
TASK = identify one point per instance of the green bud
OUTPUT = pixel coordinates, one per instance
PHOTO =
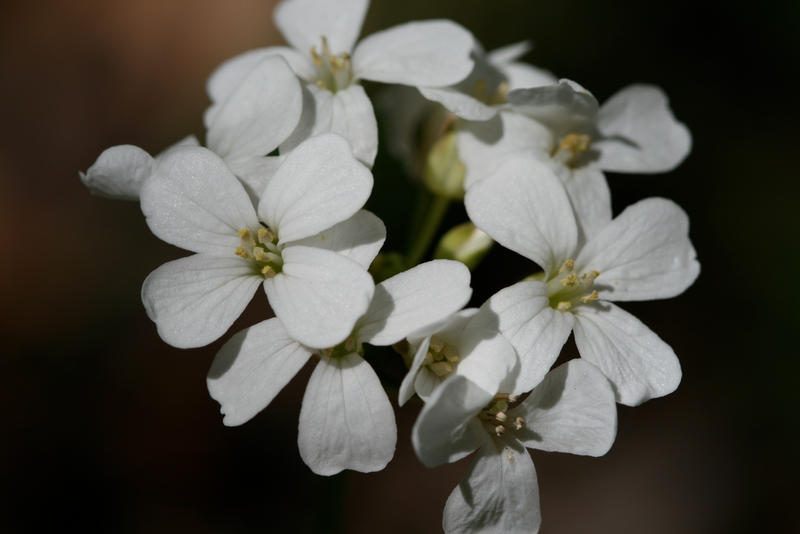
(444, 171)
(465, 243)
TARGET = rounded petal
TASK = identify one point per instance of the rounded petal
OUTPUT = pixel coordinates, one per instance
(251, 368)
(483, 146)
(536, 330)
(259, 114)
(442, 433)
(346, 421)
(430, 53)
(194, 300)
(487, 358)
(414, 299)
(319, 185)
(636, 361)
(304, 22)
(255, 174)
(119, 172)
(499, 493)
(360, 238)
(643, 254)
(508, 53)
(347, 113)
(524, 76)
(524, 207)
(573, 410)
(319, 295)
(640, 132)
(193, 201)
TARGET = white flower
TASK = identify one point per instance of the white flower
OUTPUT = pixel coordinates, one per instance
(318, 289)
(346, 420)
(323, 35)
(482, 94)
(468, 343)
(253, 119)
(572, 410)
(634, 131)
(643, 254)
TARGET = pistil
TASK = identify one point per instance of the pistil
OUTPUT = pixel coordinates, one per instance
(569, 289)
(334, 72)
(262, 249)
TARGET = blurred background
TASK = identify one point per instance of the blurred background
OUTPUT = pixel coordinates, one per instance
(107, 429)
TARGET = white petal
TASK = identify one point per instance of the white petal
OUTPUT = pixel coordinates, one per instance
(193, 201)
(319, 295)
(430, 53)
(189, 140)
(251, 368)
(304, 22)
(565, 106)
(524, 76)
(407, 386)
(483, 146)
(119, 172)
(346, 421)
(643, 254)
(194, 300)
(259, 114)
(462, 104)
(640, 132)
(347, 113)
(360, 238)
(591, 199)
(414, 299)
(487, 358)
(319, 184)
(442, 433)
(573, 410)
(536, 330)
(507, 54)
(499, 494)
(255, 174)
(636, 361)
(525, 208)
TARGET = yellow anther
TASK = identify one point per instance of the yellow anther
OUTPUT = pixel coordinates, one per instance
(567, 266)
(575, 143)
(512, 398)
(589, 277)
(428, 358)
(500, 95)
(320, 84)
(501, 417)
(564, 306)
(451, 354)
(436, 345)
(570, 280)
(240, 251)
(519, 422)
(441, 368)
(268, 271)
(499, 430)
(590, 297)
(258, 253)
(265, 236)
(246, 237)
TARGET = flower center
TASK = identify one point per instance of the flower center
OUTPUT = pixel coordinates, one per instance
(262, 250)
(334, 72)
(495, 415)
(348, 346)
(568, 288)
(497, 97)
(571, 147)
(441, 359)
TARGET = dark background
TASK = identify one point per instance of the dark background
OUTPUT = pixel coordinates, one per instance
(107, 429)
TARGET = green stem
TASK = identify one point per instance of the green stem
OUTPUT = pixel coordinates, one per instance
(426, 230)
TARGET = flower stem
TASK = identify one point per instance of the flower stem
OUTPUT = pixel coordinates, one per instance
(426, 229)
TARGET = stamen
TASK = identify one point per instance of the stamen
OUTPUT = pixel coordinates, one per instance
(268, 271)
(499, 430)
(501, 417)
(241, 252)
(265, 236)
(246, 236)
(519, 422)
(570, 280)
(451, 354)
(567, 266)
(564, 305)
(441, 368)
(591, 297)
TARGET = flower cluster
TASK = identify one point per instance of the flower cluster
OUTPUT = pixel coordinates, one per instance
(276, 199)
